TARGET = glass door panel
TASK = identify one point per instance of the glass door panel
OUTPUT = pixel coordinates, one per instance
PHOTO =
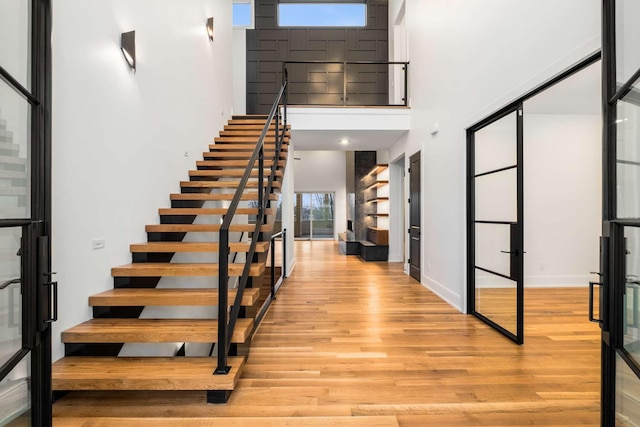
(627, 127)
(322, 215)
(15, 395)
(497, 196)
(627, 39)
(494, 145)
(496, 299)
(11, 324)
(631, 325)
(15, 148)
(496, 230)
(314, 215)
(15, 40)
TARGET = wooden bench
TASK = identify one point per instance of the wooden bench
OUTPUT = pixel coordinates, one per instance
(369, 251)
(348, 246)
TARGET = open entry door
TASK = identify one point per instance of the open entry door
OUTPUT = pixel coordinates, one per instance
(28, 293)
(495, 232)
(619, 277)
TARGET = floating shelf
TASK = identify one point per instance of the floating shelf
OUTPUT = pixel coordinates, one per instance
(378, 199)
(379, 214)
(378, 168)
(377, 184)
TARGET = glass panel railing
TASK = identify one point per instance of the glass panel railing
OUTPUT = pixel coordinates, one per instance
(348, 83)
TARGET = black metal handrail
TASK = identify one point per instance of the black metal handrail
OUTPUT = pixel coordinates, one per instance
(405, 68)
(227, 321)
(283, 273)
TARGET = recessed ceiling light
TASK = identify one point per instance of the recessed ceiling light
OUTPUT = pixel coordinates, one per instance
(344, 141)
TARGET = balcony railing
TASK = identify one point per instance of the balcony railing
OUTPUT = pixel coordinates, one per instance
(347, 83)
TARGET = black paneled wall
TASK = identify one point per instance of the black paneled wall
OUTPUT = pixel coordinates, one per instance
(269, 45)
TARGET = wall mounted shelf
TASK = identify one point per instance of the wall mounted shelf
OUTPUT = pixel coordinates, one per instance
(378, 199)
(377, 184)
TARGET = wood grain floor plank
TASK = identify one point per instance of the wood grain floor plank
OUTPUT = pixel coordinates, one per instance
(347, 337)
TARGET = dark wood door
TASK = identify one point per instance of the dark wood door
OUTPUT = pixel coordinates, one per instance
(414, 216)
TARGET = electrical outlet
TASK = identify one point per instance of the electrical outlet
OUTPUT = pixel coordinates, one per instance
(428, 266)
(97, 243)
(541, 266)
(186, 154)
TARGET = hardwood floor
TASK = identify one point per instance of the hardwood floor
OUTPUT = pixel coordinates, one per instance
(347, 338)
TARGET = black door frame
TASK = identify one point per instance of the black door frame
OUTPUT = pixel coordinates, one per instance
(517, 227)
(36, 255)
(415, 265)
(470, 131)
(613, 251)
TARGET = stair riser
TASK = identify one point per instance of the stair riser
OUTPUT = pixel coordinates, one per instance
(78, 349)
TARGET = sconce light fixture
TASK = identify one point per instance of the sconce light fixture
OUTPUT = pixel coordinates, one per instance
(210, 28)
(128, 47)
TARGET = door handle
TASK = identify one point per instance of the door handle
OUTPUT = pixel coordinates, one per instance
(53, 316)
(592, 318)
(513, 252)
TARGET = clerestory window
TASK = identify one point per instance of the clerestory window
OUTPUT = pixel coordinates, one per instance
(243, 13)
(318, 13)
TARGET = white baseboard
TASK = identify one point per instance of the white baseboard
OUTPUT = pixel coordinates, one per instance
(450, 297)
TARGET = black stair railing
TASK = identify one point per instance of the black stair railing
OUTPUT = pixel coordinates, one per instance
(346, 86)
(227, 319)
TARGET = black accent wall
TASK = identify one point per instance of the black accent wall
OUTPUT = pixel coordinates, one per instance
(269, 45)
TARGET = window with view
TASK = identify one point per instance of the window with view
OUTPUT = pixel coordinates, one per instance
(322, 14)
(243, 13)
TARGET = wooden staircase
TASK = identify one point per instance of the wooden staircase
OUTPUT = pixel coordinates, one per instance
(166, 273)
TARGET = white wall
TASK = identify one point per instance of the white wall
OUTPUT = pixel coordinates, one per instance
(467, 59)
(288, 196)
(562, 196)
(239, 63)
(120, 139)
(323, 171)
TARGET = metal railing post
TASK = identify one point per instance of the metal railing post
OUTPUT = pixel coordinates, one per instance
(284, 253)
(223, 292)
(344, 83)
(406, 80)
(273, 269)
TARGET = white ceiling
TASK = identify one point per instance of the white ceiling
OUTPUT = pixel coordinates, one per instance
(578, 94)
(359, 140)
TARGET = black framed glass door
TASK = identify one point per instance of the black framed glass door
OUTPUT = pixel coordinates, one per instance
(495, 232)
(27, 291)
(620, 255)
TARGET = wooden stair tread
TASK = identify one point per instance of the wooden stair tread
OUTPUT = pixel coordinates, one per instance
(267, 164)
(224, 184)
(238, 155)
(250, 116)
(246, 146)
(167, 247)
(136, 297)
(143, 373)
(202, 228)
(269, 141)
(252, 126)
(328, 421)
(211, 211)
(232, 173)
(256, 133)
(153, 269)
(153, 331)
(214, 197)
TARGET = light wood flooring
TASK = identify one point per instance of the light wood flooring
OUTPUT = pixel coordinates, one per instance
(349, 339)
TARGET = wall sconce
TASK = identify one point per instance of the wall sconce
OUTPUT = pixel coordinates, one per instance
(128, 47)
(210, 28)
